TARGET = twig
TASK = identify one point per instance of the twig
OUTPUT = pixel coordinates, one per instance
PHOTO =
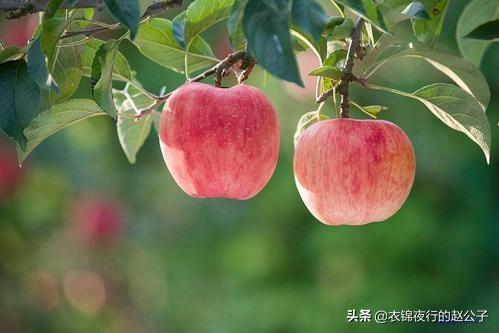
(162, 6)
(154, 9)
(41, 4)
(343, 87)
(19, 8)
(220, 70)
(325, 95)
(330, 92)
(91, 32)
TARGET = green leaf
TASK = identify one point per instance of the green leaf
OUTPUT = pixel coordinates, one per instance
(463, 73)
(369, 34)
(132, 99)
(330, 72)
(144, 6)
(11, 53)
(235, 22)
(87, 13)
(428, 31)
(102, 76)
(178, 26)
(202, 14)
(322, 47)
(51, 9)
(391, 51)
(82, 14)
(487, 31)
(344, 30)
(393, 11)
(309, 16)
(307, 120)
(303, 41)
(476, 13)
(455, 108)
(52, 31)
(396, 4)
(55, 119)
(416, 11)
(20, 96)
(335, 56)
(334, 21)
(37, 67)
(266, 27)
(63, 56)
(132, 133)
(375, 109)
(66, 72)
(121, 70)
(327, 84)
(127, 12)
(371, 110)
(369, 9)
(459, 111)
(156, 41)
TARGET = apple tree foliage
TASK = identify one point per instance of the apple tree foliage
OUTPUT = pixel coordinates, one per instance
(39, 80)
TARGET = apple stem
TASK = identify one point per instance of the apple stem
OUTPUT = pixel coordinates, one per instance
(347, 76)
(220, 70)
(343, 87)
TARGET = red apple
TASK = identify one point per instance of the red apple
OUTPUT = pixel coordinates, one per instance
(17, 32)
(97, 219)
(219, 142)
(10, 171)
(354, 171)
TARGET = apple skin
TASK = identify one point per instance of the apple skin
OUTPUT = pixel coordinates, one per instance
(97, 219)
(354, 171)
(17, 32)
(219, 142)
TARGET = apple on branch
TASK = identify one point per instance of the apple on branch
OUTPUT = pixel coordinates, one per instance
(219, 142)
(354, 171)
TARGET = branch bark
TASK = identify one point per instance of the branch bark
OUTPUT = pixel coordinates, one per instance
(20, 8)
(220, 70)
(39, 5)
(153, 9)
(348, 77)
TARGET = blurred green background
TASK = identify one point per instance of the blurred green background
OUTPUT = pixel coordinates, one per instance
(171, 263)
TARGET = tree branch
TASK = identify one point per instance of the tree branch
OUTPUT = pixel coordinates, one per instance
(39, 5)
(343, 87)
(155, 8)
(19, 8)
(220, 70)
(161, 6)
(91, 32)
(328, 93)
